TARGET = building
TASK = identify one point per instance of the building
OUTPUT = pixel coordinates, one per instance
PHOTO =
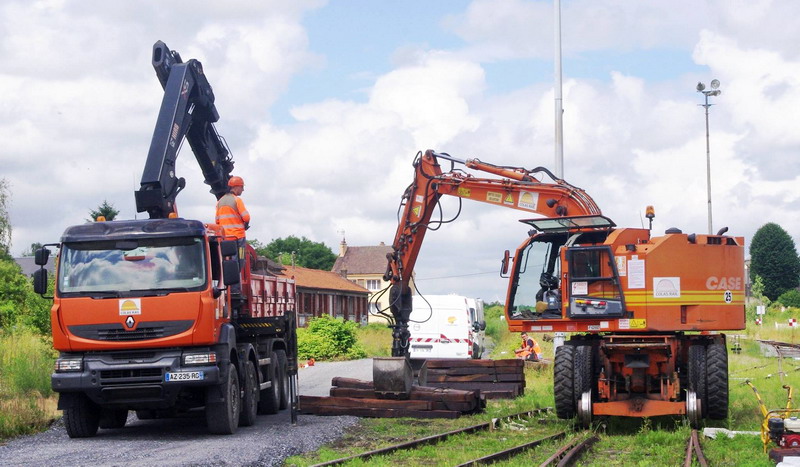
(28, 266)
(326, 293)
(365, 266)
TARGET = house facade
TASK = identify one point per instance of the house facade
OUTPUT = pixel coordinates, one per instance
(321, 293)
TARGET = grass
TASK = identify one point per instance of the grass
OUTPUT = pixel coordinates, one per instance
(27, 403)
(623, 441)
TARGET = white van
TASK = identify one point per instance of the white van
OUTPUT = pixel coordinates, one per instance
(443, 326)
(478, 327)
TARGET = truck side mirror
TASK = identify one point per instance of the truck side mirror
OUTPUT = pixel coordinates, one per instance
(40, 279)
(230, 271)
(229, 248)
(41, 256)
(504, 264)
(483, 325)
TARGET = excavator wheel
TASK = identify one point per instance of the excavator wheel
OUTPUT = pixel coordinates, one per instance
(564, 381)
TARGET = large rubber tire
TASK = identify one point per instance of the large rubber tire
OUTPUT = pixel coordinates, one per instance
(270, 397)
(113, 418)
(222, 418)
(247, 417)
(697, 375)
(283, 378)
(82, 418)
(563, 381)
(717, 381)
(583, 371)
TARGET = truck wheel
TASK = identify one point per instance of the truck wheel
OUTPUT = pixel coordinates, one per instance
(283, 377)
(583, 368)
(697, 375)
(113, 418)
(223, 417)
(270, 397)
(717, 381)
(250, 400)
(82, 417)
(563, 381)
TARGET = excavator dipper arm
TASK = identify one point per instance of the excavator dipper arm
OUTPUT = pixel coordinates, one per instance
(518, 188)
(187, 111)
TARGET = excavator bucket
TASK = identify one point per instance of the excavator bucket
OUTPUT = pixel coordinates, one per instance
(392, 377)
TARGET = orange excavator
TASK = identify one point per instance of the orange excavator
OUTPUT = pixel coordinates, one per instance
(643, 311)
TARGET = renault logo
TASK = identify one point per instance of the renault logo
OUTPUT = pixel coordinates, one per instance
(129, 322)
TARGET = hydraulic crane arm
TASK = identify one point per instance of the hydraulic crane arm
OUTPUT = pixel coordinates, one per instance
(187, 110)
(517, 189)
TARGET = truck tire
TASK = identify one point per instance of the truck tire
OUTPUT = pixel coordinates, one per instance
(223, 417)
(113, 418)
(270, 397)
(697, 375)
(247, 417)
(283, 377)
(717, 381)
(583, 368)
(82, 417)
(563, 381)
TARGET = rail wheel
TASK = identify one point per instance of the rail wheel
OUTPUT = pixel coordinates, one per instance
(697, 376)
(717, 381)
(223, 417)
(563, 381)
(283, 378)
(82, 417)
(270, 397)
(583, 368)
(692, 409)
(250, 400)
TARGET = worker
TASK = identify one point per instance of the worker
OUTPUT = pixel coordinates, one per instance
(232, 215)
(530, 349)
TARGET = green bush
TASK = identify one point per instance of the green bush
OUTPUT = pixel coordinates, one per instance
(328, 338)
(18, 302)
(790, 298)
(26, 361)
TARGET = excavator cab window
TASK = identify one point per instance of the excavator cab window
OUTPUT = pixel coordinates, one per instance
(536, 290)
(594, 285)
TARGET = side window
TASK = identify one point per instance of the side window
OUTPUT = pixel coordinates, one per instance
(594, 283)
(216, 269)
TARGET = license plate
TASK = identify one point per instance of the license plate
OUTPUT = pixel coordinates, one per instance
(184, 376)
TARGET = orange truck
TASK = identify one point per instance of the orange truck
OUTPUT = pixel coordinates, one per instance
(644, 311)
(144, 314)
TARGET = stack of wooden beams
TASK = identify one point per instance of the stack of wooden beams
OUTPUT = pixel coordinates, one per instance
(356, 397)
(496, 379)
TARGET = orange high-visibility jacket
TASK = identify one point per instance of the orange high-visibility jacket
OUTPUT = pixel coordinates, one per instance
(232, 215)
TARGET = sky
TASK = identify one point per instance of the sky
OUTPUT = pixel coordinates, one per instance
(324, 105)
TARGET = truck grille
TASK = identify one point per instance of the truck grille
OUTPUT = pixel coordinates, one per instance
(115, 332)
(134, 373)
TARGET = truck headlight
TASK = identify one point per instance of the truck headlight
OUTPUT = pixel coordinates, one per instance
(203, 358)
(69, 364)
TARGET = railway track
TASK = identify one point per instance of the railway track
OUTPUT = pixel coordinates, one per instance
(565, 455)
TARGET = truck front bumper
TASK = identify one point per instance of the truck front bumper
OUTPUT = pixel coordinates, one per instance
(153, 378)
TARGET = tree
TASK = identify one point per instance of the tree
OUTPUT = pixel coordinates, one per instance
(106, 210)
(32, 250)
(307, 254)
(5, 221)
(773, 257)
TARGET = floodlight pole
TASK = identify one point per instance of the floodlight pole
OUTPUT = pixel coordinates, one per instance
(711, 92)
(559, 146)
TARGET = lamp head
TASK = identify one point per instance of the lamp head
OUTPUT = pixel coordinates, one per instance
(714, 83)
(700, 87)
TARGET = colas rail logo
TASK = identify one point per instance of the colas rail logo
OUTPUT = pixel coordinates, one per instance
(666, 287)
(130, 306)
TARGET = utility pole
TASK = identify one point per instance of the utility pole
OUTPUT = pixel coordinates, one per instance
(714, 91)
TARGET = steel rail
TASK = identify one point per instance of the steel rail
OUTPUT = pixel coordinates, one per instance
(693, 449)
(508, 453)
(571, 457)
(433, 439)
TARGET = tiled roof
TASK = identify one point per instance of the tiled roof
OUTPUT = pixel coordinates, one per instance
(363, 260)
(318, 279)
(29, 267)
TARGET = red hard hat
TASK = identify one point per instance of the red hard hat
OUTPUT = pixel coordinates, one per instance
(236, 181)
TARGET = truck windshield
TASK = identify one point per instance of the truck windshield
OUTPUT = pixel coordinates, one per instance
(132, 266)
